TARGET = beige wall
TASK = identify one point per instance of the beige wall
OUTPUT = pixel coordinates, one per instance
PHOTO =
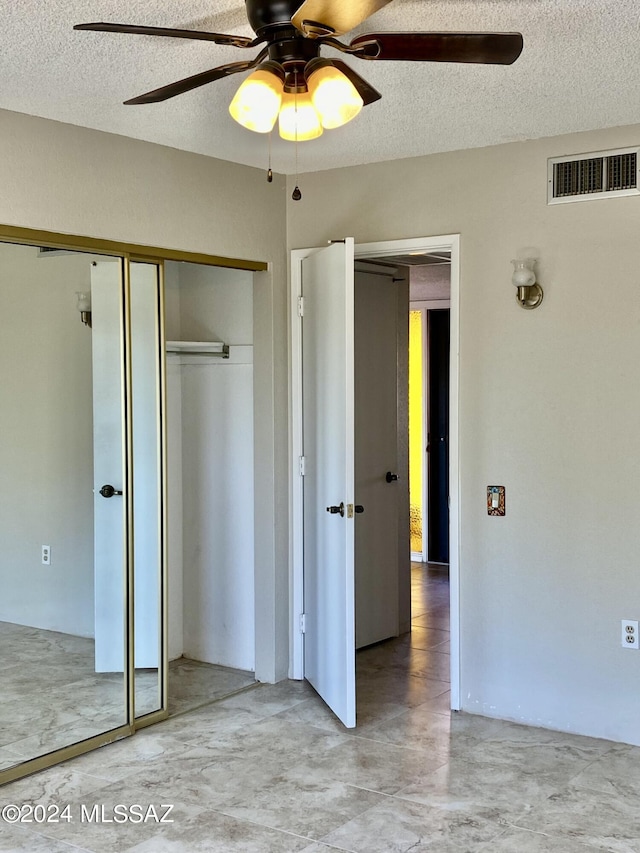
(46, 452)
(548, 399)
(68, 179)
(549, 407)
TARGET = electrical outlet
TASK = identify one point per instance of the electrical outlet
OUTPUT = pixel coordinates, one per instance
(46, 555)
(629, 637)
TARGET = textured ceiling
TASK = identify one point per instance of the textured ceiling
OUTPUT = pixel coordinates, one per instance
(579, 70)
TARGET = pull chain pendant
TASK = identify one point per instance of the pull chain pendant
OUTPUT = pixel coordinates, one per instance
(296, 195)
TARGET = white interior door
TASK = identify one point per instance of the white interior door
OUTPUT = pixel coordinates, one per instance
(379, 484)
(328, 448)
(108, 465)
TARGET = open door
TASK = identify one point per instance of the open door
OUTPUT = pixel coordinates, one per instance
(438, 432)
(379, 486)
(329, 476)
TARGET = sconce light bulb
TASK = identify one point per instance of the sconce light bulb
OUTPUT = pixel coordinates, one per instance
(84, 301)
(529, 293)
(84, 307)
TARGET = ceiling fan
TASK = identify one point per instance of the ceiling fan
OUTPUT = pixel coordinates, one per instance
(292, 83)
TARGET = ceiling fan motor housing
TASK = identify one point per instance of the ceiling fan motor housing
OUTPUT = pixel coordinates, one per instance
(265, 14)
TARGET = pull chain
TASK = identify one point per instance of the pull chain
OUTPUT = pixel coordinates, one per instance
(269, 172)
(296, 195)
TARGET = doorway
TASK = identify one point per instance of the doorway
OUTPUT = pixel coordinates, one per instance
(373, 251)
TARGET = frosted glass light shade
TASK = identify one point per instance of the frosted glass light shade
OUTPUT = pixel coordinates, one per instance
(334, 96)
(523, 274)
(298, 118)
(257, 102)
(84, 301)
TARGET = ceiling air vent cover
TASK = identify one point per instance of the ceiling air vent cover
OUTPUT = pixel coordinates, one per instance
(604, 174)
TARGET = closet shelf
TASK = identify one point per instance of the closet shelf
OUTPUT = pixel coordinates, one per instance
(198, 348)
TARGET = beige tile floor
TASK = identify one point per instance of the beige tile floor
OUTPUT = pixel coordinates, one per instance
(51, 696)
(270, 770)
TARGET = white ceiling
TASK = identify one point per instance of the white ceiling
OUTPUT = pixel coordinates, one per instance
(580, 70)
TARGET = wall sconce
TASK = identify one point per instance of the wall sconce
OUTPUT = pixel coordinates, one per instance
(529, 294)
(84, 307)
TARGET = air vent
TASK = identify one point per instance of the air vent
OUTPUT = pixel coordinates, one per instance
(603, 174)
(44, 251)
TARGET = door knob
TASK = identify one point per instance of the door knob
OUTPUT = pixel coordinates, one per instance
(108, 491)
(390, 478)
(334, 510)
(359, 508)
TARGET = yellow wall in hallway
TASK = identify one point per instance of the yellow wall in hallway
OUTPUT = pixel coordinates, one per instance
(416, 437)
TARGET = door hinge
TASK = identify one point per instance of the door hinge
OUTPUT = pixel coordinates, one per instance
(300, 306)
(303, 470)
(303, 623)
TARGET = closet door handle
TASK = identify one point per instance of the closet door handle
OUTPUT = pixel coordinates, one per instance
(108, 491)
(335, 510)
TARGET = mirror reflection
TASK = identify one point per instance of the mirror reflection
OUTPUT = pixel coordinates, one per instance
(147, 497)
(62, 538)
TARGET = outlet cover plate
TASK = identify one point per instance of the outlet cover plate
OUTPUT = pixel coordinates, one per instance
(629, 634)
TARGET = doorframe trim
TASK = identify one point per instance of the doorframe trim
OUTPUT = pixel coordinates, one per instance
(447, 242)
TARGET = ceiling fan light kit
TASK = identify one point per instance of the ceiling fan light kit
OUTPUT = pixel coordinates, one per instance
(257, 102)
(298, 120)
(323, 98)
(305, 92)
(334, 96)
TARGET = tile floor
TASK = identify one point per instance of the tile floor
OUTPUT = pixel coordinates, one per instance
(270, 770)
(51, 696)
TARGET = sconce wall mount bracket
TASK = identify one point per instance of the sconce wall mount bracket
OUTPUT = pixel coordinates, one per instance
(530, 297)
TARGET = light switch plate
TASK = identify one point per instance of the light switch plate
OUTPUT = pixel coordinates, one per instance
(495, 500)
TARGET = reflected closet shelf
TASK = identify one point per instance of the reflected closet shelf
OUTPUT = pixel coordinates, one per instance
(215, 348)
(209, 352)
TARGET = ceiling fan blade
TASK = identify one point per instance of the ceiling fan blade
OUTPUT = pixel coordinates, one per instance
(218, 38)
(364, 89)
(486, 48)
(181, 86)
(337, 16)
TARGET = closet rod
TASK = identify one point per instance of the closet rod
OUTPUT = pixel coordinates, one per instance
(203, 348)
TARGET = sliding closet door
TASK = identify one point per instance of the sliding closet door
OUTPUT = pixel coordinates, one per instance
(146, 387)
(144, 370)
(63, 503)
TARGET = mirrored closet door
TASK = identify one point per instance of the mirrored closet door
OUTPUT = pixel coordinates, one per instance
(81, 463)
(147, 367)
(63, 519)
